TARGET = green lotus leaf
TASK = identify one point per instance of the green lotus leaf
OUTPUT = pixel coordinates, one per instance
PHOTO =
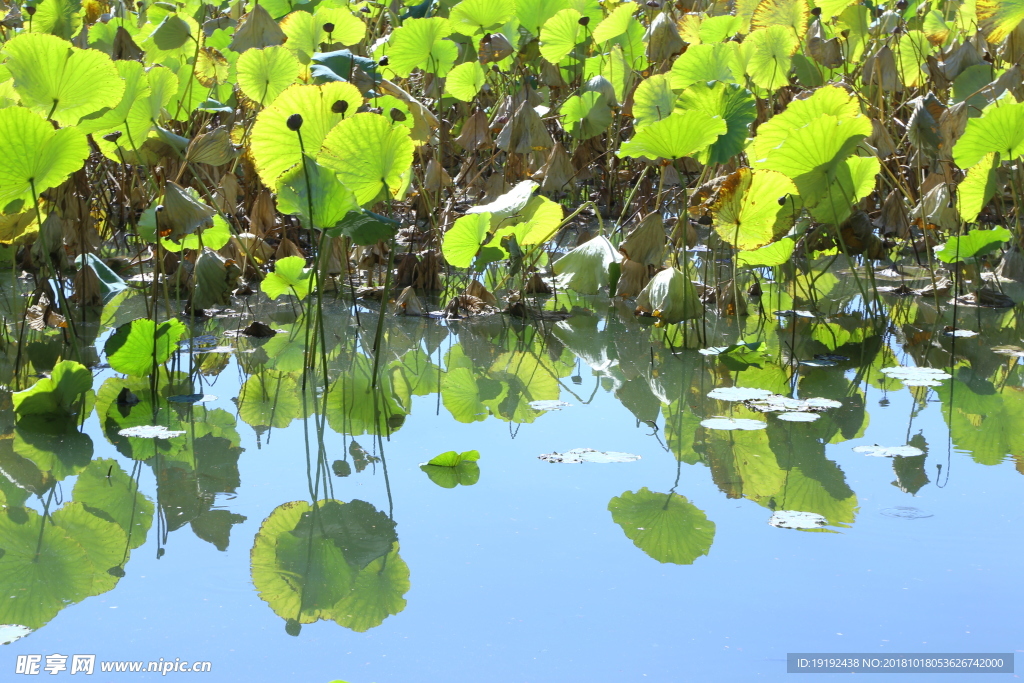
(728, 101)
(720, 29)
(453, 458)
(36, 157)
(299, 578)
(1000, 129)
(354, 407)
(275, 147)
(616, 23)
(264, 74)
(171, 33)
(712, 62)
(653, 100)
(305, 31)
(376, 594)
(470, 17)
(851, 181)
(541, 218)
(999, 18)
(666, 526)
(973, 243)
(769, 56)
(136, 348)
(270, 399)
(365, 227)
(683, 134)
(361, 531)
(811, 154)
(977, 189)
(369, 155)
(55, 446)
(448, 477)
(747, 207)
(43, 567)
(585, 269)
(329, 198)
(348, 28)
(136, 85)
(104, 542)
(586, 115)
(560, 35)
(465, 81)
(774, 254)
(829, 100)
(109, 493)
(62, 18)
(60, 393)
(463, 239)
(290, 276)
(421, 44)
(912, 53)
(533, 14)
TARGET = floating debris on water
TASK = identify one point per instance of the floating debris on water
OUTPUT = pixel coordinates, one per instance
(795, 519)
(775, 403)
(738, 394)
(727, 423)
(798, 417)
(579, 455)
(549, 405)
(150, 432)
(916, 376)
(889, 451)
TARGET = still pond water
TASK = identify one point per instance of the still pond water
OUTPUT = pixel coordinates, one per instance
(512, 568)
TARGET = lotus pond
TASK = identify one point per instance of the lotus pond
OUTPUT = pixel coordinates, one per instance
(508, 340)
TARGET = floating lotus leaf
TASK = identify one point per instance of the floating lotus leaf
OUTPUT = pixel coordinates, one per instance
(581, 455)
(666, 526)
(795, 519)
(728, 423)
(889, 451)
(972, 244)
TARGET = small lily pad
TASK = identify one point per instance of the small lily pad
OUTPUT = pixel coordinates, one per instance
(578, 455)
(738, 393)
(798, 417)
(960, 333)
(192, 398)
(150, 432)
(728, 423)
(549, 405)
(785, 404)
(12, 632)
(712, 350)
(795, 519)
(889, 451)
(904, 512)
(916, 376)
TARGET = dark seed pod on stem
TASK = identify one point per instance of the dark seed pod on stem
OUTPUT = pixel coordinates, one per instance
(340, 107)
(295, 122)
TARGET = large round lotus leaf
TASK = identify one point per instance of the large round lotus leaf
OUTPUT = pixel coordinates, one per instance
(136, 348)
(586, 115)
(817, 148)
(290, 276)
(977, 189)
(369, 154)
(727, 101)
(55, 446)
(791, 15)
(748, 206)
(108, 492)
(833, 202)
(264, 74)
(136, 85)
(300, 578)
(829, 100)
(305, 31)
(712, 62)
(1000, 129)
(769, 56)
(60, 393)
(270, 399)
(463, 239)
(275, 147)
(62, 18)
(311, 185)
(999, 18)
(104, 542)
(354, 407)
(533, 14)
(60, 81)
(615, 24)
(43, 568)
(666, 526)
(560, 35)
(35, 156)
(653, 100)
(421, 44)
(683, 134)
(378, 589)
(473, 16)
(464, 81)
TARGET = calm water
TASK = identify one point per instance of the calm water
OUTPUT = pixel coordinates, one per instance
(664, 568)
